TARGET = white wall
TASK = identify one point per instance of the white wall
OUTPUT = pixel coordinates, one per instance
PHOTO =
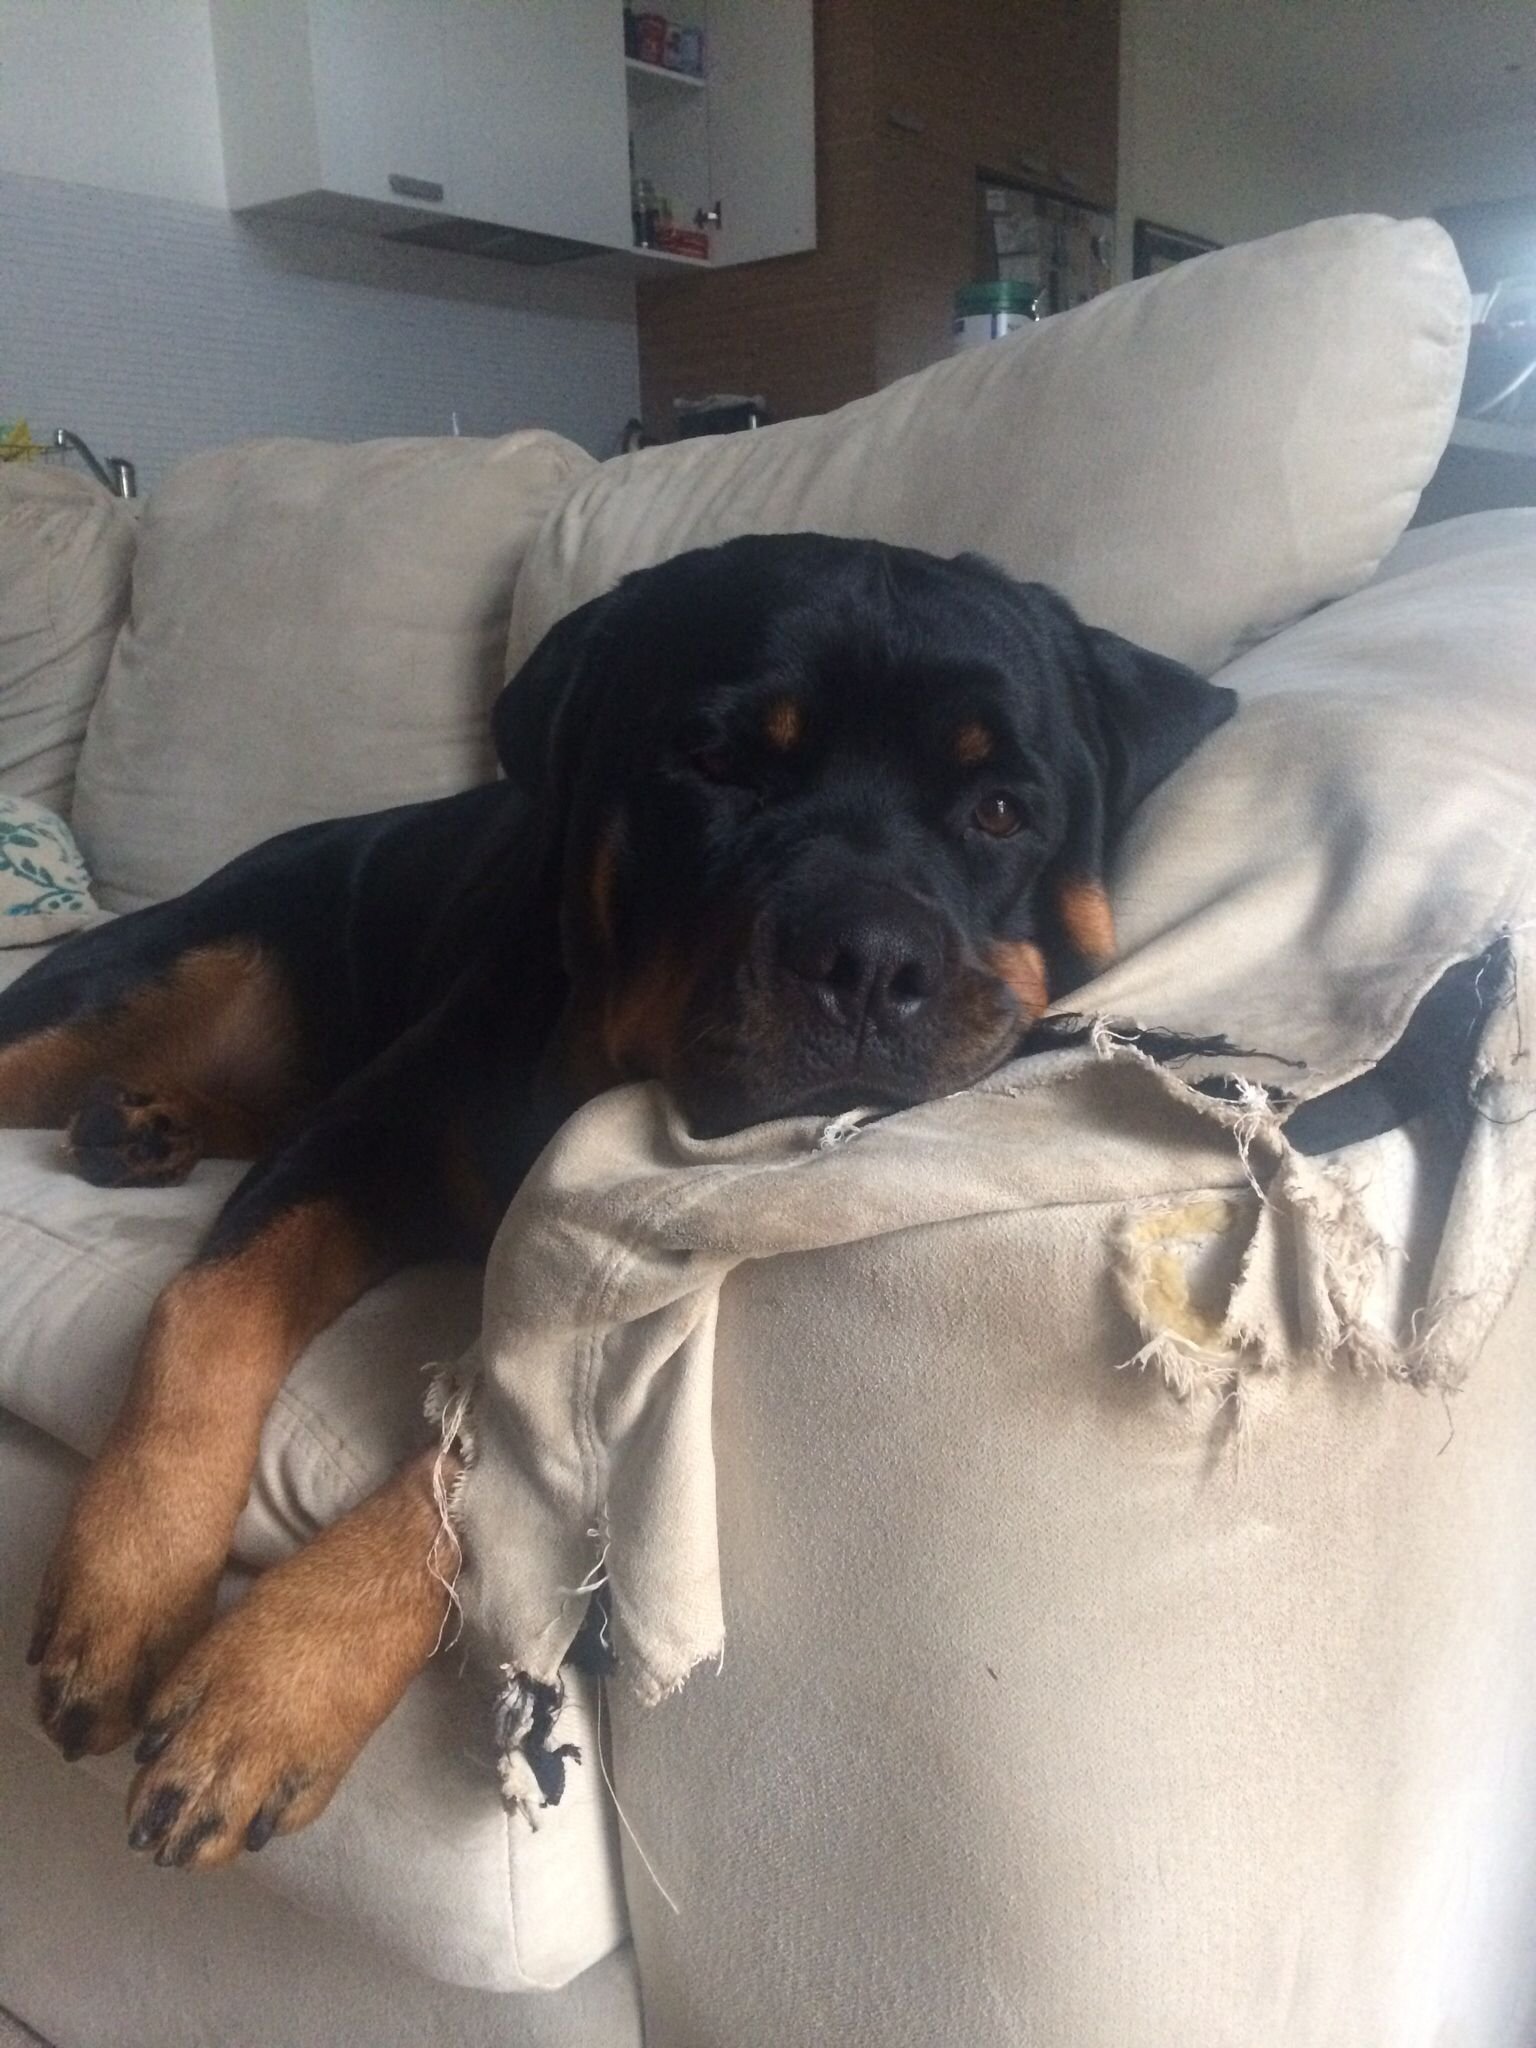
(135, 309)
(155, 328)
(1229, 133)
(1427, 169)
(1197, 152)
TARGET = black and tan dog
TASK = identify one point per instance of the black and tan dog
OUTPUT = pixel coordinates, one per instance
(789, 825)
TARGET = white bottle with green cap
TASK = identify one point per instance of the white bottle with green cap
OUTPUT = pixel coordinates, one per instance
(986, 312)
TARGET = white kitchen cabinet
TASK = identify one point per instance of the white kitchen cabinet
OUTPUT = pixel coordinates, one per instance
(323, 102)
(738, 148)
(381, 92)
(480, 123)
(536, 89)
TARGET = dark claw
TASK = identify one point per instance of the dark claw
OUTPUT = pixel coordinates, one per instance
(159, 1815)
(262, 1828)
(74, 1725)
(157, 1734)
(37, 1649)
(178, 1854)
(152, 1742)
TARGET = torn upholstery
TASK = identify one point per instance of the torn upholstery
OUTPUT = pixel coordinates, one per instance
(1299, 887)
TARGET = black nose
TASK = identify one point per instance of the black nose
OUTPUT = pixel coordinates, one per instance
(864, 964)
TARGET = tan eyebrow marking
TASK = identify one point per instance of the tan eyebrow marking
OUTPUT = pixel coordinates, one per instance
(784, 724)
(973, 744)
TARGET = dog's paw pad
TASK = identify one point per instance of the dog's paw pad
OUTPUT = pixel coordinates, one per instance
(122, 1138)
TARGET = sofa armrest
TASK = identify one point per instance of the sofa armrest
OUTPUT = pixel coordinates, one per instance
(1049, 1714)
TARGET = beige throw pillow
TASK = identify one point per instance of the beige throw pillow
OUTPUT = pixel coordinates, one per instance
(66, 549)
(316, 630)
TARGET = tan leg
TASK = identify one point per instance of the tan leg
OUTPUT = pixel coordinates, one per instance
(213, 1042)
(254, 1729)
(132, 1580)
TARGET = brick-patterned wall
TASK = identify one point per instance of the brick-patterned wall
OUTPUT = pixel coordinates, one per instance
(155, 327)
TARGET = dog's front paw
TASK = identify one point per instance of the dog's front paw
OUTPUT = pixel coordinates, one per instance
(236, 1748)
(255, 1728)
(124, 1595)
(246, 1740)
(122, 1138)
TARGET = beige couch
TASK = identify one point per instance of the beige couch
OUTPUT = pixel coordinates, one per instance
(1041, 1721)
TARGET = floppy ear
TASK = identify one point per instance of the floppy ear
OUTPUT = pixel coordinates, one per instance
(538, 719)
(1139, 715)
(1152, 714)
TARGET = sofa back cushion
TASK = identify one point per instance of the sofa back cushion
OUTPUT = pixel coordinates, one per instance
(1193, 460)
(66, 550)
(316, 630)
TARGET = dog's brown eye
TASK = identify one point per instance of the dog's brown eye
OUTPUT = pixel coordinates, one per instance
(998, 816)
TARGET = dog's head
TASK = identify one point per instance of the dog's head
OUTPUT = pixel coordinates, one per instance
(831, 817)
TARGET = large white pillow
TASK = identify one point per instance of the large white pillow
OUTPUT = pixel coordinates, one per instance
(1193, 460)
(315, 630)
(66, 549)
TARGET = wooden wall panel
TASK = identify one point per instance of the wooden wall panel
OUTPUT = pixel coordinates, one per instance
(799, 329)
(1026, 89)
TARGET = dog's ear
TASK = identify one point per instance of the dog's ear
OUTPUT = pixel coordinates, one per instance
(538, 720)
(1139, 715)
(1152, 714)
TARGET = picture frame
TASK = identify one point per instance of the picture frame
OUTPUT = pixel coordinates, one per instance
(1155, 247)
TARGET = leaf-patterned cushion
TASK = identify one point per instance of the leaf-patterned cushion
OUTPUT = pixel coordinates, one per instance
(45, 892)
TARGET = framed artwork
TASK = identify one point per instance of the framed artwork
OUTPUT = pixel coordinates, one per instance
(1155, 248)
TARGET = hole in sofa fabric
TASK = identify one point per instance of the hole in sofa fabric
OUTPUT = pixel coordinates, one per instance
(1428, 1069)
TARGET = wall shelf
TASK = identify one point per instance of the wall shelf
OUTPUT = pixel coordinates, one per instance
(647, 79)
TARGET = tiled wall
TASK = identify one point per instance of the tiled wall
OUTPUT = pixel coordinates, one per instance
(155, 327)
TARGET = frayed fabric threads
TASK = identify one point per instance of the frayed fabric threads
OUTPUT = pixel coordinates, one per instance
(587, 1444)
(446, 1409)
(1307, 1266)
(1314, 1270)
(530, 1764)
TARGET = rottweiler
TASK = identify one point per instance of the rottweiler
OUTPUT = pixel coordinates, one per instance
(789, 825)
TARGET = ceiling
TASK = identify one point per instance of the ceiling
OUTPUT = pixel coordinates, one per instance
(1394, 65)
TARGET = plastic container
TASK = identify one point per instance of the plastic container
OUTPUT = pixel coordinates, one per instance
(987, 312)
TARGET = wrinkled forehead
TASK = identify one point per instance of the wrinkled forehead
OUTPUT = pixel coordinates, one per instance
(874, 663)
